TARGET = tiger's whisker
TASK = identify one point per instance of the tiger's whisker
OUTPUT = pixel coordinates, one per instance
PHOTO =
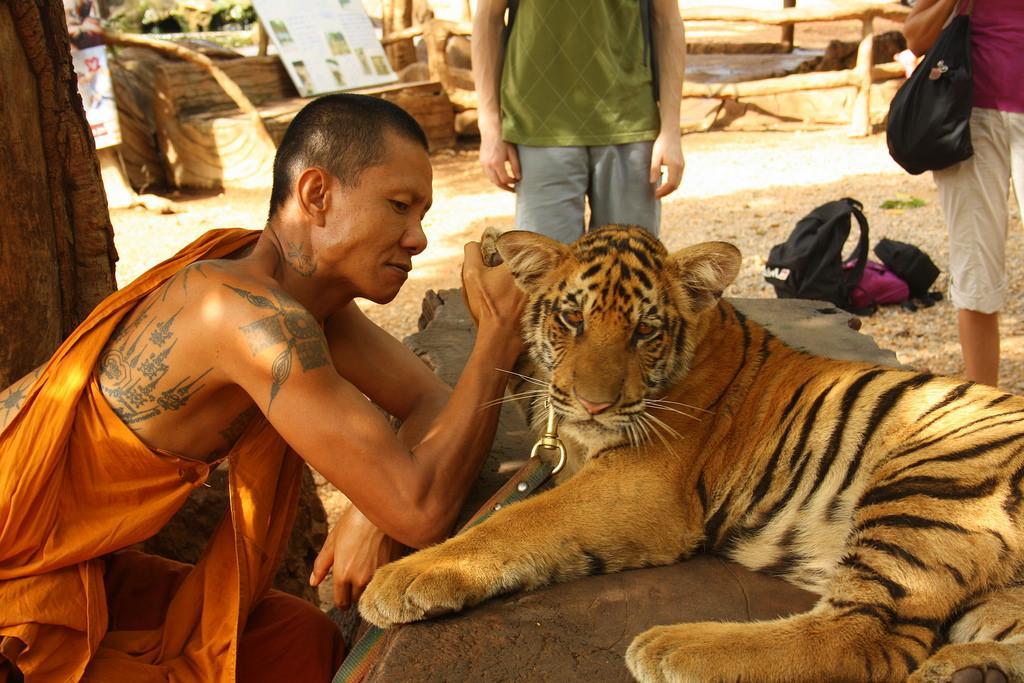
(680, 412)
(531, 380)
(660, 401)
(513, 397)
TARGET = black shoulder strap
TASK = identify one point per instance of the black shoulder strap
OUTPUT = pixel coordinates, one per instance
(861, 251)
(513, 7)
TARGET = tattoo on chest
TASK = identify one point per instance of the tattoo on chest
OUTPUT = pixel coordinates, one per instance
(133, 370)
(301, 262)
(289, 324)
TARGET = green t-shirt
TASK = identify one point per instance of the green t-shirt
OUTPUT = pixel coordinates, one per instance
(575, 74)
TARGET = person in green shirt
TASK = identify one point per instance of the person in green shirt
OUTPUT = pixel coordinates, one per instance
(579, 101)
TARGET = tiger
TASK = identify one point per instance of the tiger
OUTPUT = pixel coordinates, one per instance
(894, 495)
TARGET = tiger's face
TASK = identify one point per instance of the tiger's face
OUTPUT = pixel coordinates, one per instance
(608, 319)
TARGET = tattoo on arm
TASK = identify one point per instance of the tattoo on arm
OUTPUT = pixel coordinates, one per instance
(13, 397)
(289, 324)
(301, 262)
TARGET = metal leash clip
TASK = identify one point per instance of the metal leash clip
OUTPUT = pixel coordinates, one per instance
(550, 439)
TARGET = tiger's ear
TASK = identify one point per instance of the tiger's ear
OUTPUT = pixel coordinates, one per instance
(705, 270)
(531, 257)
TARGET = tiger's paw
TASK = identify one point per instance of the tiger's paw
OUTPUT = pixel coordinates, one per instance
(984, 662)
(416, 588)
(678, 653)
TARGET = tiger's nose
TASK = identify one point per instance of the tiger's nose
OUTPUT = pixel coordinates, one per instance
(593, 408)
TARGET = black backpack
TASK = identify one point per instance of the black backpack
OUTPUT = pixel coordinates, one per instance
(911, 264)
(809, 264)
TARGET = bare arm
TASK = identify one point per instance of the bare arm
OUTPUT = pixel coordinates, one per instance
(13, 397)
(499, 159)
(924, 23)
(412, 495)
(670, 46)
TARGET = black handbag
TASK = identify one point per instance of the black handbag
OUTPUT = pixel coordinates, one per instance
(929, 124)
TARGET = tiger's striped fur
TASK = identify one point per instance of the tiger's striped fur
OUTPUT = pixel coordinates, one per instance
(896, 496)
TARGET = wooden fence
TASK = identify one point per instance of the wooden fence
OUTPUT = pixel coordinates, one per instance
(436, 34)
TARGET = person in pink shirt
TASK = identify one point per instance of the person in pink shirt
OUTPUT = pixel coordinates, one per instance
(974, 192)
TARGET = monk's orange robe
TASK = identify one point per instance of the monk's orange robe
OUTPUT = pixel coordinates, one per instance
(76, 485)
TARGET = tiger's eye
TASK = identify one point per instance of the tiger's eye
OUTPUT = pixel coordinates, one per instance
(645, 330)
(572, 319)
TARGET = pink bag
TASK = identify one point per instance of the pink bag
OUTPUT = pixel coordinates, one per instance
(878, 285)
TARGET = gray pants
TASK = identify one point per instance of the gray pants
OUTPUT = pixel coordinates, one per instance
(615, 179)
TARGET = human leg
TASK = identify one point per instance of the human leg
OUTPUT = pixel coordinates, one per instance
(288, 639)
(285, 638)
(620, 190)
(974, 200)
(979, 341)
(550, 195)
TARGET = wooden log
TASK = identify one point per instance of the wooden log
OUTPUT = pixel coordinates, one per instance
(860, 117)
(788, 29)
(190, 90)
(212, 148)
(260, 134)
(795, 15)
(133, 74)
(396, 15)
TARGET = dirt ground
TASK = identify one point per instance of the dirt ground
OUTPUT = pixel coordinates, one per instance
(745, 188)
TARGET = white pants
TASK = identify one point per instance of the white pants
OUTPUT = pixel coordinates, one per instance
(974, 200)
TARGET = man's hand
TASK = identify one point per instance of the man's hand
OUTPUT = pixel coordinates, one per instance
(356, 549)
(499, 159)
(492, 295)
(668, 152)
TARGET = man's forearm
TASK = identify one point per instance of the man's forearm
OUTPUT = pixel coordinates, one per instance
(670, 47)
(487, 49)
(457, 443)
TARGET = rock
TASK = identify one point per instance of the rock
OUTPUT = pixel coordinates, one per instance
(579, 631)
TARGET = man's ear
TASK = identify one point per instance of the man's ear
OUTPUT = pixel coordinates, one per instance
(705, 270)
(313, 194)
(531, 257)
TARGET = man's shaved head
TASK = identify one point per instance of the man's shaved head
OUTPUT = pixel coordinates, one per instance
(343, 134)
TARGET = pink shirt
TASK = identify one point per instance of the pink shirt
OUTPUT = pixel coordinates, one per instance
(997, 54)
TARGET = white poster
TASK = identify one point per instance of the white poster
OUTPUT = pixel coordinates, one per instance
(326, 45)
(89, 56)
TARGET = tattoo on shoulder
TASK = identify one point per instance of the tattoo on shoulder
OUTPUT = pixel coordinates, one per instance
(287, 323)
(301, 262)
(133, 367)
(182, 277)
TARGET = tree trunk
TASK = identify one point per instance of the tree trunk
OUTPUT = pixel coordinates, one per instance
(56, 242)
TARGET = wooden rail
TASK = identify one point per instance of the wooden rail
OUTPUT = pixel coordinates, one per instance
(864, 73)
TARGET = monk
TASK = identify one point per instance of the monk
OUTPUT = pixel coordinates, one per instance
(245, 347)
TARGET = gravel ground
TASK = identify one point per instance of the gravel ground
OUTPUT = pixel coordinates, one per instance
(745, 188)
